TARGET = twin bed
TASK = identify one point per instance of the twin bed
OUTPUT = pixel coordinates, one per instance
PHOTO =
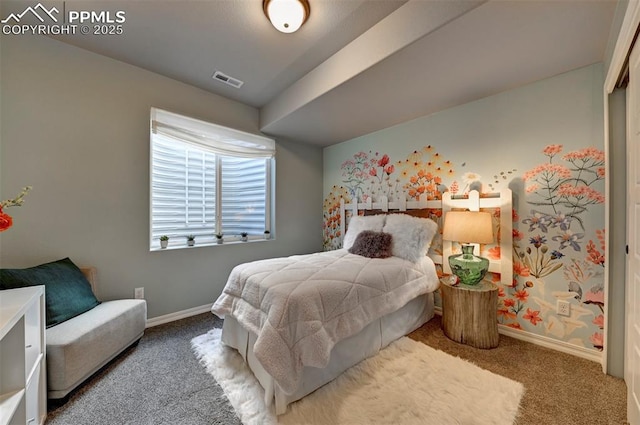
(300, 321)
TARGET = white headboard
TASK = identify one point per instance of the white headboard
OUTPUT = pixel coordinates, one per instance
(501, 201)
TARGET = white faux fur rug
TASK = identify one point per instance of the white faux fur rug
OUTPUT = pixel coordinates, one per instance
(406, 383)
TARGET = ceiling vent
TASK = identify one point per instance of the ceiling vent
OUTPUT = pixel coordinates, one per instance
(220, 76)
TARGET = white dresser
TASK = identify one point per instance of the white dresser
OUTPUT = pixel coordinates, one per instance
(23, 378)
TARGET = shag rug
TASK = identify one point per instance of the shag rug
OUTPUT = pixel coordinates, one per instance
(406, 383)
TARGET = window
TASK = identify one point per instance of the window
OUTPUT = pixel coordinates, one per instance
(207, 179)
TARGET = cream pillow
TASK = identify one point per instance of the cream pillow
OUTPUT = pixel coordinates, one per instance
(359, 223)
(411, 236)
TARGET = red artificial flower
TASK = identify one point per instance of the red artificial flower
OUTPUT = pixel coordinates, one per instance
(5, 221)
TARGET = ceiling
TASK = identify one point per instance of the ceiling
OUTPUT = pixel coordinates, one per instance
(356, 66)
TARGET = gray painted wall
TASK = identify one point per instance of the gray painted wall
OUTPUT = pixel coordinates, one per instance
(75, 126)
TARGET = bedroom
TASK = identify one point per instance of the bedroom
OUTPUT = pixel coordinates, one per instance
(75, 127)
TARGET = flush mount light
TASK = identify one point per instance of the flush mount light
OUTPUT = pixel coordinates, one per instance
(286, 15)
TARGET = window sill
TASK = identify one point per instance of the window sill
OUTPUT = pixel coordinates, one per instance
(210, 244)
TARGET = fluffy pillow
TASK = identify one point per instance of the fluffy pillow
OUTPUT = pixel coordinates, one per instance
(372, 244)
(359, 223)
(67, 292)
(411, 236)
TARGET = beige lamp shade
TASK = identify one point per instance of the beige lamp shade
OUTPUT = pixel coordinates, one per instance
(468, 227)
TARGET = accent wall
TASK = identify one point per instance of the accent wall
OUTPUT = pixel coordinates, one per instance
(545, 142)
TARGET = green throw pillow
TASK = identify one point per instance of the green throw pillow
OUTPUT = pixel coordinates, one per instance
(67, 292)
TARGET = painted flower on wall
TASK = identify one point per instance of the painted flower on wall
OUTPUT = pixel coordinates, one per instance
(5, 219)
(566, 188)
(532, 316)
(596, 256)
(470, 178)
(369, 175)
(597, 339)
(425, 169)
(381, 182)
(332, 238)
(355, 173)
(536, 259)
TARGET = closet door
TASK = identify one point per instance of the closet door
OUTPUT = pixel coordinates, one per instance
(632, 355)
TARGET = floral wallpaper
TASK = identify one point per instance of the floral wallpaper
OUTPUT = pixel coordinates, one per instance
(555, 252)
(556, 256)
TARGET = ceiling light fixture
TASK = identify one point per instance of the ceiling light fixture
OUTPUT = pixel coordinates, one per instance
(287, 15)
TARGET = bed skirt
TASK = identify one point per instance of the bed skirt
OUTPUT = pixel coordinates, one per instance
(345, 354)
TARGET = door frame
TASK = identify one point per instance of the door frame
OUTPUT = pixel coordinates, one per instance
(621, 52)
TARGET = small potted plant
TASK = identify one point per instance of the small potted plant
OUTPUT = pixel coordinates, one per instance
(191, 240)
(164, 241)
(267, 234)
(219, 238)
(244, 236)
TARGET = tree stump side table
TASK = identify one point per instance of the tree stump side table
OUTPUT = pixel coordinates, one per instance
(470, 313)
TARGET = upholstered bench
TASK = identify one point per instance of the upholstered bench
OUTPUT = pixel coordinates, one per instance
(79, 347)
(82, 333)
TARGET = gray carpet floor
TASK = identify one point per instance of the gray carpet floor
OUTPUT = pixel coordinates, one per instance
(160, 382)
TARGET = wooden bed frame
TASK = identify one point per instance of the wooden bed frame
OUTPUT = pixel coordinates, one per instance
(501, 201)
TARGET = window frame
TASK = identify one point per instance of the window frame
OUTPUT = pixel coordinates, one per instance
(222, 142)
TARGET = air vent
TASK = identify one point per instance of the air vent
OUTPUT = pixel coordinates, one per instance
(220, 76)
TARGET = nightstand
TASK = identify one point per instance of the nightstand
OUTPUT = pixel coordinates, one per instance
(470, 313)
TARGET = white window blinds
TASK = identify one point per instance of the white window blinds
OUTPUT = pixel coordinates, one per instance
(207, 179)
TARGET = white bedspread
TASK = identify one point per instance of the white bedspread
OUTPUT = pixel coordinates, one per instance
(301, 306)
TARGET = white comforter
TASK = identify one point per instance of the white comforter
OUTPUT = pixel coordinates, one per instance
(301, 306)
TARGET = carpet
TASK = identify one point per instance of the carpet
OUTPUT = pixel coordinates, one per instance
(406, 383)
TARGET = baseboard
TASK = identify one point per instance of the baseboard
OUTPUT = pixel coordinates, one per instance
(172, 317)
(544, 341)
(554, 344)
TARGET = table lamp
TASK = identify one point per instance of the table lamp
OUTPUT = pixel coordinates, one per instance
(467, 227)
